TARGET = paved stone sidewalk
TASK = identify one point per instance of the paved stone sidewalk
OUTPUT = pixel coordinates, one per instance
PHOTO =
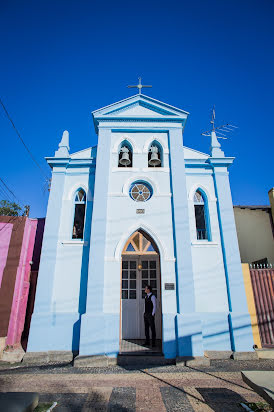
(162, 389)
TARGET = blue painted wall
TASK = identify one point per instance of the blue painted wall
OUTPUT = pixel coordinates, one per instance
(78, 296)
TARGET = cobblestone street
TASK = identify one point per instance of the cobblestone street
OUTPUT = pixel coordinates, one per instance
(170, 388)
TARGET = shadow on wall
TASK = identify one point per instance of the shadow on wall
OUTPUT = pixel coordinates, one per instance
(185, 342)
(33, 280)
(84, 275)
(182, 346)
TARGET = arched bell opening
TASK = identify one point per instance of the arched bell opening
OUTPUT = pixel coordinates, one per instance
(125, 154)
(140, 267)
(155, 155)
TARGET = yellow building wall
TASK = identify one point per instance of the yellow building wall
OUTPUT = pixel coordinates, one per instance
(251, 305)
(255, 234)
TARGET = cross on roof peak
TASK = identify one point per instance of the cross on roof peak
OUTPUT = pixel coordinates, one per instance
(139, 85)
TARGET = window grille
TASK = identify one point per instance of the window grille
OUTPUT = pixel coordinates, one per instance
(129, 270)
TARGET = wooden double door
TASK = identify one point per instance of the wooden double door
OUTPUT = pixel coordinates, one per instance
(137, 272)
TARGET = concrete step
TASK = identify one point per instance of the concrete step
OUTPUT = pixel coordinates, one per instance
(141, 353)
(244, 356)
(265, 353)
(192, 361)
(144, 360)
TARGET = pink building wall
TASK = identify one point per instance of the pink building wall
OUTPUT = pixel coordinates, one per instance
(20, 244)
(21, 289)
(5, 235)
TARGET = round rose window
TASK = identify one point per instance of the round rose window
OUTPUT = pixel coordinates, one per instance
(140, 191)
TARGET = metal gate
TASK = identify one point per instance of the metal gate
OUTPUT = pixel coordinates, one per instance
(263, 289)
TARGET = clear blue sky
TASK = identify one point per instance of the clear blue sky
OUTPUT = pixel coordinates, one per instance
(62, 59)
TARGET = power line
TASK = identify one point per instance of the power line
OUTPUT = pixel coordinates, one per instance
(5, 195)
(6, 191)
(26, 147)
(1, 180)
(12, 218)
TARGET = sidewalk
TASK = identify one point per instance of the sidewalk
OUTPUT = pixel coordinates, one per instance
(216, 388)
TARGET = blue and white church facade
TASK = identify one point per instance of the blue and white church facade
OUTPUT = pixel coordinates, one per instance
(140, 208)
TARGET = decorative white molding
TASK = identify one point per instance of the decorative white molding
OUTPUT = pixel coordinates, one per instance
(110, 259)
(117, 194)
(122, 194)
(140, 224)
(74, 242)
(159, 140)
(198, 172)
(204, 243)
(156, 169)
(212, 201)
(71, 193)
(163, 195)
(130, 140)
(197, 186)
(125, 169)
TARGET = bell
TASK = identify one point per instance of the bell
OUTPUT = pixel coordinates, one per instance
(154, 160)
(125, 161)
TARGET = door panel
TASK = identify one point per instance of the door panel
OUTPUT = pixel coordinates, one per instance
(129, 306)
(150, 275)
(132, 295)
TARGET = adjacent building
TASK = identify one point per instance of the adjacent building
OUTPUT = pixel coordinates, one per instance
(20, 246)
(255, 230)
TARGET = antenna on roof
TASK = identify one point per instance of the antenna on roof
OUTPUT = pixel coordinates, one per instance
(220, 130)
(216, 133)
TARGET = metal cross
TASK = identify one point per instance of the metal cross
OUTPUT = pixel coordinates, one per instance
(140, 85)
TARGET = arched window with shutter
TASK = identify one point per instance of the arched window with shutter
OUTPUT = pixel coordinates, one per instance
(79, 214)
(201, 216)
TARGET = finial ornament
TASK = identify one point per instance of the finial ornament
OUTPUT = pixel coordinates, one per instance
(63, 150)
(216, 133)
(139, 85)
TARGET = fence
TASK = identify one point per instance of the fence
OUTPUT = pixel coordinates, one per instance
(262, 279)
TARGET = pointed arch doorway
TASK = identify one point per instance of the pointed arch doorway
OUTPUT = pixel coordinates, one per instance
(140, 267)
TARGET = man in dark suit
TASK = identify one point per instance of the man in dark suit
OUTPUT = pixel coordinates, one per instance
(149, 315)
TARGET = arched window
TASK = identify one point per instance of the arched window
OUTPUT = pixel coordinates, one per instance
(79, 214)
(201, 216)
(125, 154)
(155, 155)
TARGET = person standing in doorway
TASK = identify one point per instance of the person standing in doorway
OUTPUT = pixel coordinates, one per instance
(149, 315)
